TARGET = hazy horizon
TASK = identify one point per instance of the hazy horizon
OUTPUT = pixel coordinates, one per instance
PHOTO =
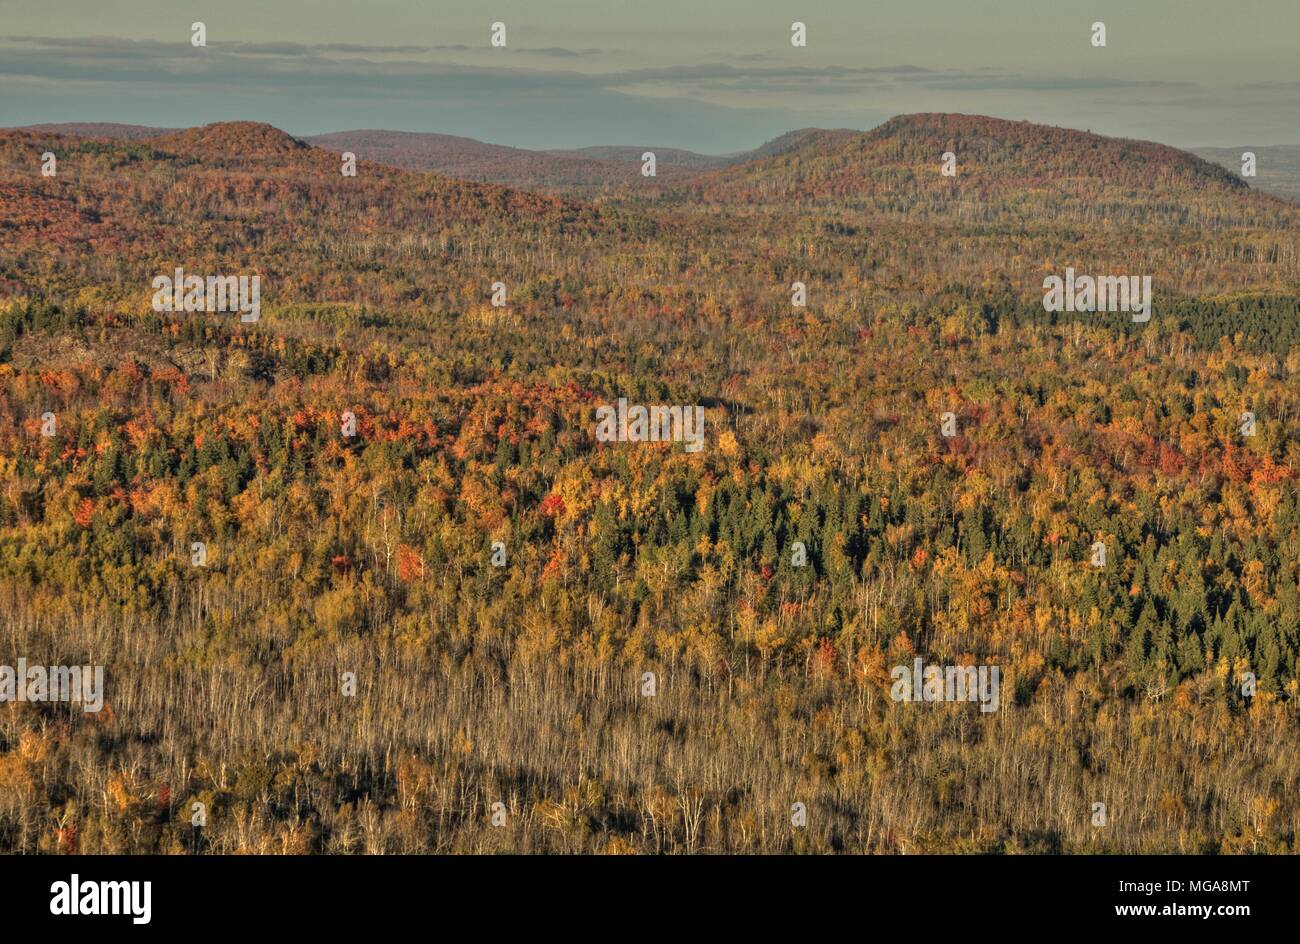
(615, 144)
(714, 80)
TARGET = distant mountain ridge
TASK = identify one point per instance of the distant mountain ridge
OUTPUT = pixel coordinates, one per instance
(600, 166)
(609, 164)
(782, 144)
(604, 166)
(470, 159)
(98, 129)
(816, 163)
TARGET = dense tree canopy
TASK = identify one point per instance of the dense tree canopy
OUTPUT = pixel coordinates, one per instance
(476, 684)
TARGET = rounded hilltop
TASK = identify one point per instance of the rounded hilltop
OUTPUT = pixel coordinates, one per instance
(1012, 172)
(246, 138)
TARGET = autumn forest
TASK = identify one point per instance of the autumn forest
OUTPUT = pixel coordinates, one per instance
(364, 578)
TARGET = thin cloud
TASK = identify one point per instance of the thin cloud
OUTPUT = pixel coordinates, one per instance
(559, 51)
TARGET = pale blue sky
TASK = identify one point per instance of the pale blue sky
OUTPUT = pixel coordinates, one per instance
(711, 75)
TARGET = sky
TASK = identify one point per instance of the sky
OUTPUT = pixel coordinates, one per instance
(714, 76)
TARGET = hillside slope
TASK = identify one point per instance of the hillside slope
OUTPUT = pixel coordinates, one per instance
(1005, 170)
(246, 195)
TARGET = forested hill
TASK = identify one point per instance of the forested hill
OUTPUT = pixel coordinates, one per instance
(1023, 197)
(247, 194)
(1003, 169)
(223, 142)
